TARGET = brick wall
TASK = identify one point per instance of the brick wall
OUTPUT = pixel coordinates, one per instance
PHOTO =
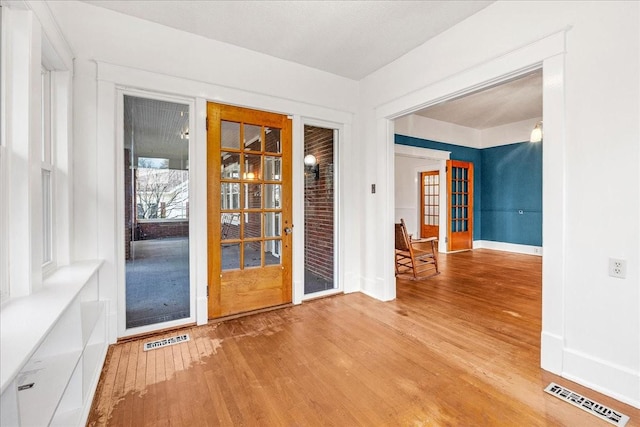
(162, 229)
(318, 203)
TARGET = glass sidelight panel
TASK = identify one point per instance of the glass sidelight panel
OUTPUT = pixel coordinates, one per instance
(318, 211)
(156, 181)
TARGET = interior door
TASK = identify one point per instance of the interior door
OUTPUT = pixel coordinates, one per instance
(249, 209)
(430, 204)
(460, 204)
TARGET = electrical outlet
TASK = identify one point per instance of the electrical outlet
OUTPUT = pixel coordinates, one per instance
(617, 268)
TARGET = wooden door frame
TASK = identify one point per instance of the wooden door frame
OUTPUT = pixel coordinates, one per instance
(435, 172)
(470, 204)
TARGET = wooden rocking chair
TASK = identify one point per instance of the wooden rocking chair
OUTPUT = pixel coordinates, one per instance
(418, 256)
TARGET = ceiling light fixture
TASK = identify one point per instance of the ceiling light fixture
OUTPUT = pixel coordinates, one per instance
(536, 133)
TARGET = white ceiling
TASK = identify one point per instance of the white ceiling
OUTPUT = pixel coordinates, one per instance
(348, 38)
(156, 129)
(513, 101)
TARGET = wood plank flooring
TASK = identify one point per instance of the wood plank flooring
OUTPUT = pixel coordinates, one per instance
(458, 349)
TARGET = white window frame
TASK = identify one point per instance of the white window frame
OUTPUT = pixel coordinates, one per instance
(4, 240)
(4, 207)
(30, 44)
(47, 167)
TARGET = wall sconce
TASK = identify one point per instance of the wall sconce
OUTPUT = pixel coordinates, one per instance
(311, 164)
(536, 133)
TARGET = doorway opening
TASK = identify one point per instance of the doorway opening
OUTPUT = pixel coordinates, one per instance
(505, 212)
(319, 210)
(156, 211)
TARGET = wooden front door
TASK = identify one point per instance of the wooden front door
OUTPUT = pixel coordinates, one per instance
(430, 204)
(249, 209)
(460, 204)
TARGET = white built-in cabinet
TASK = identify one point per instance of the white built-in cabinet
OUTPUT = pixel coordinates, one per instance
(54, 343)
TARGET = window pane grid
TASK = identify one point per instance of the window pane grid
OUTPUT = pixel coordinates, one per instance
(459, 200)
(431, 199)
(251, 163)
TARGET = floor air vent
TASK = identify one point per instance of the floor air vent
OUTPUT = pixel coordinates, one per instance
(152, 345)
(595, 408)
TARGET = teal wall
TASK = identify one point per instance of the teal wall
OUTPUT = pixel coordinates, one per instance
(507, 179)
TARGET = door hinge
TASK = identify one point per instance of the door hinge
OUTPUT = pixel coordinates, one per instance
(206, 123)
(207, 290)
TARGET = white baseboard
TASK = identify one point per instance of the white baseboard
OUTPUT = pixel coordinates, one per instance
(508, 247)
(551, 352)
(621, 383)
(202, 310)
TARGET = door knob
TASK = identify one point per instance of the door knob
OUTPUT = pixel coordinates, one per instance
(288, 230)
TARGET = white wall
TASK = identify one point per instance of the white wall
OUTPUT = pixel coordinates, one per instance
(407, 189)
(590, 52)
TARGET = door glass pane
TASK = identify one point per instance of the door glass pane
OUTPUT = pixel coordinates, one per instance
(272, 224)
(272, 140)
(272, 252)
(252, 138)
(318, 212)
(272, 196)
(252, 166)
(230, 165)
(252, 254)
(272, 167)
(252, 225)
(230, 256)
(230, 195)
(156, 193)
(253, 196)
(230, 135)
(230, 225)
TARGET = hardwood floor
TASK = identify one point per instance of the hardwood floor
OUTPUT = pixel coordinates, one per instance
(458, 349)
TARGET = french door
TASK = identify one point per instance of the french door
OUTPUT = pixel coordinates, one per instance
(430, 204)
(460, 204)
(249, 209)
